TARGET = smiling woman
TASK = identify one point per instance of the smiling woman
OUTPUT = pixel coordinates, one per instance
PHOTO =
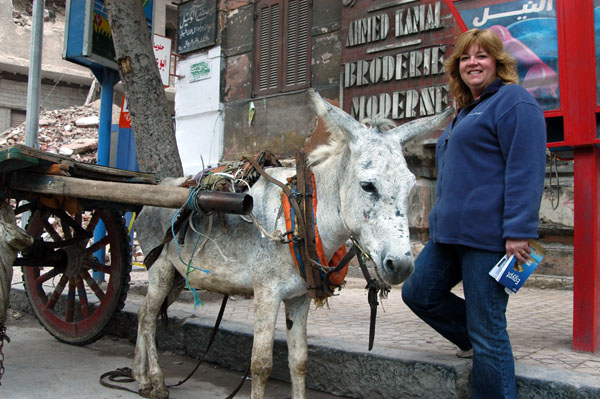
(483, 210)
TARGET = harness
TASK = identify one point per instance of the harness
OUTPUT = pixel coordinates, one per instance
(317, 271)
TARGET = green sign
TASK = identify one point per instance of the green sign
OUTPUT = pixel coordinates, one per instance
(199, 71)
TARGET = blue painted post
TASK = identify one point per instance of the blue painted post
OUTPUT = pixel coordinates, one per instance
(107, 78)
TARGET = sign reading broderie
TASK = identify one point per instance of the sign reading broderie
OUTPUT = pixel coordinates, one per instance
(393, 59)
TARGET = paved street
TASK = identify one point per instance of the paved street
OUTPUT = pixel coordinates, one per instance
(539, 323)
(540, 326)
(38, 366)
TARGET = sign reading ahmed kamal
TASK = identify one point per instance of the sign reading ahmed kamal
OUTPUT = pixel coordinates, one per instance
(393, 58)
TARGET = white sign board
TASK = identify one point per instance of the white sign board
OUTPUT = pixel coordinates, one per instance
(162, 52)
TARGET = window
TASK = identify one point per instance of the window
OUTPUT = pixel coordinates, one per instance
(283, 45)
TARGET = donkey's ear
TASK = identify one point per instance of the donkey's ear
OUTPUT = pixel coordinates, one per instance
(419, 127)
(337, 121)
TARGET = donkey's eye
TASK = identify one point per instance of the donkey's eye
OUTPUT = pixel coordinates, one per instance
(368, 187)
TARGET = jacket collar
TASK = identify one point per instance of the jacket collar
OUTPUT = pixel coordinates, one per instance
(490, 90)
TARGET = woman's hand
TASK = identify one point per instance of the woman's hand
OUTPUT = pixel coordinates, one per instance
(520, 248)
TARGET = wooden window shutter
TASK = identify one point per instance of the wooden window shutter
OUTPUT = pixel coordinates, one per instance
(268, 52)
(283, 45)
(297, 45)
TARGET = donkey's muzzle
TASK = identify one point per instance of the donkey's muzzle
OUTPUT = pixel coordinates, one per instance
(396, 269)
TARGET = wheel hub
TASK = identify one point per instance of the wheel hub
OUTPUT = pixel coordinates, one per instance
(76, 260)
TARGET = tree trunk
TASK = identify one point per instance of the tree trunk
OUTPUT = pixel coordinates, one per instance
(150, 119)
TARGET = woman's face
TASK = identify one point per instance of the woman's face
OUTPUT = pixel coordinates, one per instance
(477, 69)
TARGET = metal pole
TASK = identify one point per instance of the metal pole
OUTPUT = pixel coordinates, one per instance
(35, 75)
(107, 78)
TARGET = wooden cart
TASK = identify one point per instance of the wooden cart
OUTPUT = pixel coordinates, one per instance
(67, 201)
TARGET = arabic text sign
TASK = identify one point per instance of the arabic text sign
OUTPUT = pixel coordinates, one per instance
(528, 31)
(162, 52)
(199, 71)
(197, 25)
(509, 12)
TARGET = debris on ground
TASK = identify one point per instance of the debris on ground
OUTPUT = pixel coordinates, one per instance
(71, 132)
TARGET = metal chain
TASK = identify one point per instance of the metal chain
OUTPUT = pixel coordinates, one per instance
(554, 189)
(2, 335)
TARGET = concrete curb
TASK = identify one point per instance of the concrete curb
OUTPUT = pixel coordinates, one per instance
(340, 367)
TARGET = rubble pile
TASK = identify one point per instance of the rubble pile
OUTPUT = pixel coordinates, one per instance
(71, 132)
(23, 9)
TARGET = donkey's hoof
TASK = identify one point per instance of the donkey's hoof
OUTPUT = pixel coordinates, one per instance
(145, 392)
(159, 393)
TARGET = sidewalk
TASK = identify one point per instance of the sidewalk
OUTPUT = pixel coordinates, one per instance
(409, 359)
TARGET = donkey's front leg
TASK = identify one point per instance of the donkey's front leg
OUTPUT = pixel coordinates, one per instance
(296, 314)
(266, 307)
(146, 369)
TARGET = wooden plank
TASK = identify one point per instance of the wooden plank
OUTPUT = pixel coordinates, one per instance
(24, 152)
(19, 156)
(126, 193)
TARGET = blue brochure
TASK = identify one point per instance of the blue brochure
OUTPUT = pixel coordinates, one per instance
(512, 274)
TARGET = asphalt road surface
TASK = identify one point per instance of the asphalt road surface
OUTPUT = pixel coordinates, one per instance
(38, 366)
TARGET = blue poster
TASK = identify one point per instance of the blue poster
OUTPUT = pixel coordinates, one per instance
(528, 31)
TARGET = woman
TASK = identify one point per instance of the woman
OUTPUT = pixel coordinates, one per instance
(491, 164)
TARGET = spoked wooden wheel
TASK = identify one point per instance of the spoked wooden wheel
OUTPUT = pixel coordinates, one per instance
(58, 272)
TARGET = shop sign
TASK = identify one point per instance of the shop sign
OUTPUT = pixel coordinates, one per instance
(393, 58)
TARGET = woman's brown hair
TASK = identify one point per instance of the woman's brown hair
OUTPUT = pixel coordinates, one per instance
(506, 66)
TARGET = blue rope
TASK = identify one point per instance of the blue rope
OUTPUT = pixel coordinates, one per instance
(189, 265)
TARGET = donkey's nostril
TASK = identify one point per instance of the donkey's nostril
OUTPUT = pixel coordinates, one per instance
(389, 265)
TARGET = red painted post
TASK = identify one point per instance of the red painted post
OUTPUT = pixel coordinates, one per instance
(578, 96)
(586, 273)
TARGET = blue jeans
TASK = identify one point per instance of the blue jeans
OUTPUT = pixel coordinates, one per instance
(477, 322)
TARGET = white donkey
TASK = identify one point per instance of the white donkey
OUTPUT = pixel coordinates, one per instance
(362, 184)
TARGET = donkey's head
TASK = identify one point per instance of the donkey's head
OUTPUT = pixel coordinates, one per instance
(374, 184)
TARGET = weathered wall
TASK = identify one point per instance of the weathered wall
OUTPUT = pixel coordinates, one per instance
(273, 126)
(13, 94)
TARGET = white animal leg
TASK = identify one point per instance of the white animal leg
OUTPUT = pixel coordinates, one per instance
(296, 314)
(266, 306)
(146, 369)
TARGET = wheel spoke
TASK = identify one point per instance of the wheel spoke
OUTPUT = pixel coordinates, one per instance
(74, 223)
(104, 241)
(93, 222)
(57, 291)
(83, 301)
(50, 229)
(92, 284)
(46, 276)
(70, 302)
(99, 267)
(66, 229)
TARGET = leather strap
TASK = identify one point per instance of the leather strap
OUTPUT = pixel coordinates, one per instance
(285, 189)
(373, 287)
(313, 280)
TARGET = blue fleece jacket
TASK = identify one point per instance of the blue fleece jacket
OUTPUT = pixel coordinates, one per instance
(491, 165)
